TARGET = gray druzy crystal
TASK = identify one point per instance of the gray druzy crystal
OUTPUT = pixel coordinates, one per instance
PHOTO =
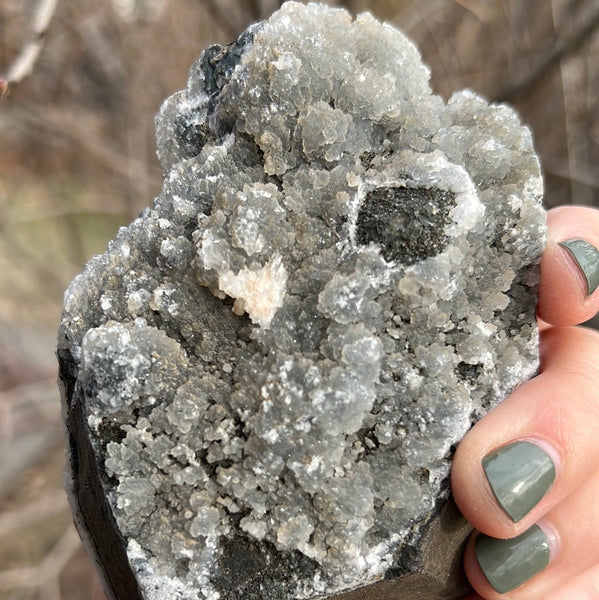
(274, 363)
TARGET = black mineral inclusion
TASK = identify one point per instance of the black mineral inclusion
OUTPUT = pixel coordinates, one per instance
(408, 223)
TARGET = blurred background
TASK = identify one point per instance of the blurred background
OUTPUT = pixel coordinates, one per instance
(85, 78)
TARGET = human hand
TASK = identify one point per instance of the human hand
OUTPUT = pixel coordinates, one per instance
(547, 475)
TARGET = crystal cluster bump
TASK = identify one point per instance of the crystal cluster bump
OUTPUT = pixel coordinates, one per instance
(277, 359)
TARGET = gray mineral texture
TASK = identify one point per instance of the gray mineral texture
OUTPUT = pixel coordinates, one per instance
(266, 373)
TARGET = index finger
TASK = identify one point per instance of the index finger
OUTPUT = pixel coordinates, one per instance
(568, 292)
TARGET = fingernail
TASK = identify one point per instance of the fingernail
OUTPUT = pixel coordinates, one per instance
(586, 257)
(507, 564)
(519, 474)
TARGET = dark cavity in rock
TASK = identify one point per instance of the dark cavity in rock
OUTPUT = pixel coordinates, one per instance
(408, 223)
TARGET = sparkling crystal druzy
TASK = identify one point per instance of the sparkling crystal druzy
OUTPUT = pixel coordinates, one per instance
(273, 364)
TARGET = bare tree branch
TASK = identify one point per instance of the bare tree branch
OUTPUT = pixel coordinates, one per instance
(476, 8)
(25, 61)
(234, 16)
(583, 28)
(233, 19)
(72, 127)
(579, 173)
(33, 512)
(265, 8)
(424, 17)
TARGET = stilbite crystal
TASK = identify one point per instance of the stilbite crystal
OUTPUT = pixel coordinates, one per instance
(266, 373)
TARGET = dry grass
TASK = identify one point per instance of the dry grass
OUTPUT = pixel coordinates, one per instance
(77, 160)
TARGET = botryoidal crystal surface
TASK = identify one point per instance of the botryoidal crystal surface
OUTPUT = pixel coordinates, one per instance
(274, 363)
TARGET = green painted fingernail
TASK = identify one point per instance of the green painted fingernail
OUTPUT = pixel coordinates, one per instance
(586, 257)
(507, 564)
(520, 474)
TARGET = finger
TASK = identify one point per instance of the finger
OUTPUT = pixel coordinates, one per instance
(550, 422)
(570, 274)
(583, 587)
(560, 558)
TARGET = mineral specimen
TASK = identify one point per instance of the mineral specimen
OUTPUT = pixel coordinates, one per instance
(266, 373)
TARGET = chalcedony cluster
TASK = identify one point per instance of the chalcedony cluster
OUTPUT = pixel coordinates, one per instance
(276, 361)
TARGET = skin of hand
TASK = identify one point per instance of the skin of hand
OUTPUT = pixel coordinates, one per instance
(555, 554)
